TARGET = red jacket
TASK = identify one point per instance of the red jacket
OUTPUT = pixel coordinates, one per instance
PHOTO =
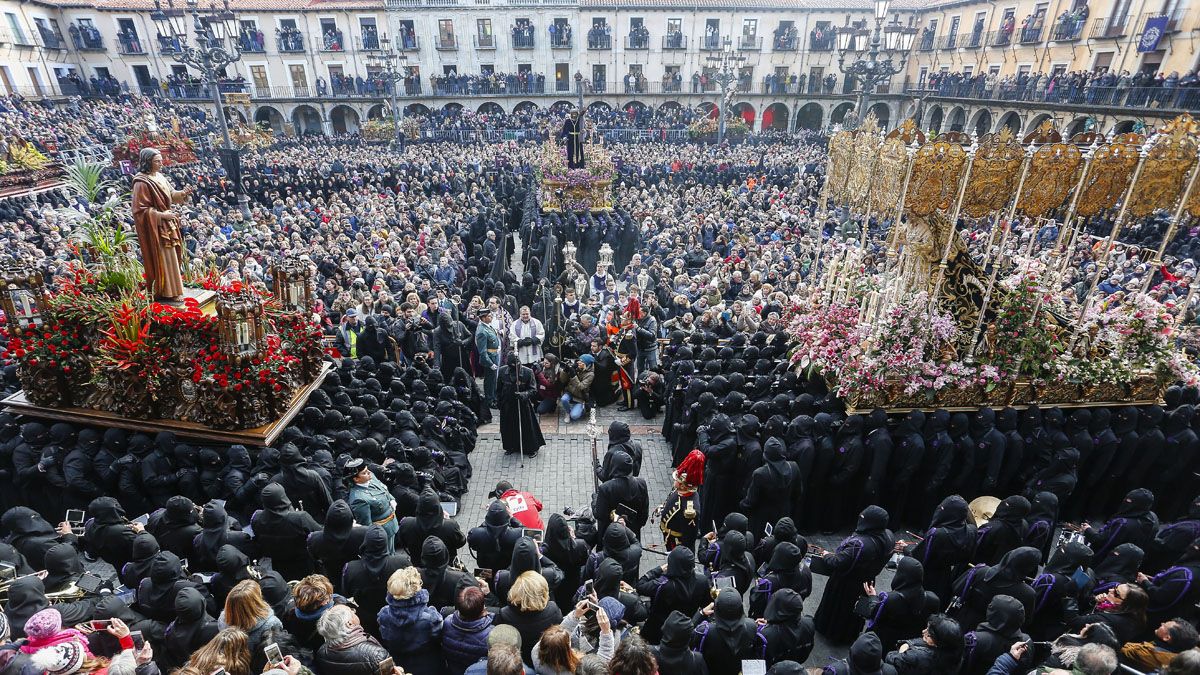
(525, 508)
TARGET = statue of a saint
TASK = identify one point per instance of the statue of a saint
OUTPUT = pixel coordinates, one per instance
(572, 133)
(158, 227)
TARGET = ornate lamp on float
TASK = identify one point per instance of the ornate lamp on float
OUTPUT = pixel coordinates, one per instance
(291, 284)
(241, 323)
(22, 296)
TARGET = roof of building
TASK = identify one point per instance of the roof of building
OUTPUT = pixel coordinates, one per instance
(318, 5)
(829, 5)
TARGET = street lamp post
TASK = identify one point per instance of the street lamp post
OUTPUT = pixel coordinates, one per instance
(390, 65)
(886, 42)
(216, 47)
(725, 66)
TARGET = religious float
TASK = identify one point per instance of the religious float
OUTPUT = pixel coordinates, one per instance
(575, 190)
(226, 363)
(174, 148)
(25, 168)
(923, 321)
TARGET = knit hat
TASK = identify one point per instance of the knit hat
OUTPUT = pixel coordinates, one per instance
(43, 625)
(613, 608)
(62, 659)
(588, 359)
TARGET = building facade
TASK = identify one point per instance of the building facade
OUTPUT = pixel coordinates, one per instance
(308, 64)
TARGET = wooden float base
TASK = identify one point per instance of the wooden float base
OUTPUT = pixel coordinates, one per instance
(851, 410)
(258, 436)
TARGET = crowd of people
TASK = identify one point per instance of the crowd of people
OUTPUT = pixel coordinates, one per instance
(331, 551)
(1095, 87)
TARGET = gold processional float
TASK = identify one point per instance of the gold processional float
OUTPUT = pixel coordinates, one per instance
(921, 320)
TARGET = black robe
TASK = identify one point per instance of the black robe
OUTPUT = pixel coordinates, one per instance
(519, 428)
(859, 558)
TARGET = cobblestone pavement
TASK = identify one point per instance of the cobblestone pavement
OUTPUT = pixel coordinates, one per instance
(560, 476)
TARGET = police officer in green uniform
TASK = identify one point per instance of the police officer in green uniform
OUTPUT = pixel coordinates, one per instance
(370, 501)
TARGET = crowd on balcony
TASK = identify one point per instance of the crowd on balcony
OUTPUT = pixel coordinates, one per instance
(1069, 24)
(712, 37)
(1102, 87)
(522, 34)
(333, 41)
(600, 36)
(785, 38)
(130, 42)
(370, 37)
(560, 35)
(673, 39)
(86, 36)
(251, 39)
(822, 39)
(290, 39)
(494, 84)
(639, 37)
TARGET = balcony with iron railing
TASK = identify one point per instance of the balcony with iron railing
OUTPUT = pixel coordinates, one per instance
(927, 42)
(252, 42)
(1106, 28)
(290, 42)
(1001, 38)
(598, 40)
(369, 42)
(447, 43)
(637, 41)
(1066, 30)
(408, 42)
(948, 41)
(674, 42)
(562, 40)
(485, 41)
(49, 40)
(167, 46)
(786, 43)
(1157, 98)
(713, 43)
(203, 92)
(822, 41)
(750, 43)
(1031, 35)
(86, 39)
(333, 41)
(1174, 20)
(522, 39)
(974, 40)
(130, 45)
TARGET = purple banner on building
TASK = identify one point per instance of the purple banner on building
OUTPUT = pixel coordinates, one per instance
(1153, 33)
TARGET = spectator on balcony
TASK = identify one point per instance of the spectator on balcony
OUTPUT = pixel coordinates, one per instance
(1006, 29)
(321, 88)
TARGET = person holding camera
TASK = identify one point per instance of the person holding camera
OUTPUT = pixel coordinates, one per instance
(578, 395)
(551, 380)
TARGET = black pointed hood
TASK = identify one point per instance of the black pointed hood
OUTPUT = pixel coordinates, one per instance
(1005, 614)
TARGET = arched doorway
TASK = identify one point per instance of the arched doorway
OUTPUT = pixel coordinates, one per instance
(707, 108)
(811, 116)
(634, 107)
(525, 107)
(1011, 120)
(936, 116)
(839, 113)
(599, 107)
(269, 116)
(376, 112)
(562, 107)
(1035, 123)
(775, 117)
(1125, 127)
(453, 109)
(670, 107)
(235, 116)
(1079, 125)
(307, 120)
(883, 114)
(958, 120)
(745, 111)
(344, 120)
(981, 123)
(491, 108)
(418, 109)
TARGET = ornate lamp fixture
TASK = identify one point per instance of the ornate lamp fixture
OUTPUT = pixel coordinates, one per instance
(22, 295)
(242, 325)
(291, 285)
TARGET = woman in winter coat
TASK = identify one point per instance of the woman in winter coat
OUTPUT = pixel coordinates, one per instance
(938, 650)
(246, 609)
(530, 611)
(410, 628)
(465, 632)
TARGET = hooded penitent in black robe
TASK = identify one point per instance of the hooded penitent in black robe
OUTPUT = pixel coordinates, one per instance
(623, 495)
(430, 520)
(1133, 523)
(770, 494)
(719, 492)
(728, 637)
(673, 655)
(977, 587)
(335, 545)
(901, 612)
(492, 542)
(191, 630)
(519, 428)
(568, 553)
(1004, 532)
(217, 530)
(682, 587)
(847, 468)
(1173, 539)
(908, 450)
(789, 634)
(1057, 591)
(785, 569)
(994, 636)
(946, 547)
(859, 558)
(281, 533)
(365, 579)
(437, 577)
(1042, 522)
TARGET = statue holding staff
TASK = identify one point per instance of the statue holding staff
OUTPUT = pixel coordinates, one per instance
(157, 227)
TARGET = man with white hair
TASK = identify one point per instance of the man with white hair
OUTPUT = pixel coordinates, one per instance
(348, 649)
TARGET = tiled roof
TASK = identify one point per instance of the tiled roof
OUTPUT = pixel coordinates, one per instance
(316, 5)
(832, 5)
(240, 5)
